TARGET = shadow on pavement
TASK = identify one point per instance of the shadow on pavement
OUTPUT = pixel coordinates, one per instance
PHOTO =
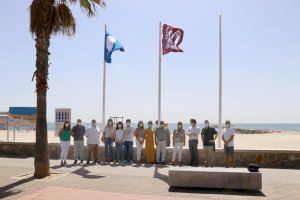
(85, 173)
(160, 176)
(217, 191)
(9, 193)
(8, 190)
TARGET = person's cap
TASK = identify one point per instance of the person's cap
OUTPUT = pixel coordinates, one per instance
(149, 122)
(78, 120)
(206, 121)
(179, 123)
(162, 122)
(227, 122)
(93, 121)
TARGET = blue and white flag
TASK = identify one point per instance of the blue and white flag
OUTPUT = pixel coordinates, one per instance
(111, 45)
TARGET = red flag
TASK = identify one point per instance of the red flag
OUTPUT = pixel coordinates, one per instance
(171, 39)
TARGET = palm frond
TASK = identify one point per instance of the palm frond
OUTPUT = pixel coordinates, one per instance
(42, 16)
(89, 6)
(64, 20)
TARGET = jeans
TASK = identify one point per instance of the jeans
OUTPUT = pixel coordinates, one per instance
(78, 149)
(108, 149)
(119, 151)
(92, 148)
(128, 150)
(193, 146)
(161, 148)
(139, 148)
(177, 148)
(64, 145)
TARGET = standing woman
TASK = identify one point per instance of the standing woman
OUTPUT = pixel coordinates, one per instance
(178, 142)
(149, 134)
(107, 138)
(139, 138)
(118, 138)
(64, 135)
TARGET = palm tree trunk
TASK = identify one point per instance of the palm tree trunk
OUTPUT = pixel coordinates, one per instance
(41, 159)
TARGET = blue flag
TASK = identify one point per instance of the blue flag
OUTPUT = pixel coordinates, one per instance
(111, 45)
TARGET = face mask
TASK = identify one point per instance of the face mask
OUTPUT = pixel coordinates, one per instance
(206, 124)
(150, 125)
(128, 124)
(179, 126)
(161, 125)
(227, 125)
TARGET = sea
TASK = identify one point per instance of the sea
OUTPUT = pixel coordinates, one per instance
(259, 126)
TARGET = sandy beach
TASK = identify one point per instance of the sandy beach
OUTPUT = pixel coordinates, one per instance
(284, 140)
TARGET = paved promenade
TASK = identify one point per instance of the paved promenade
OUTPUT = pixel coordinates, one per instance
(126, 182)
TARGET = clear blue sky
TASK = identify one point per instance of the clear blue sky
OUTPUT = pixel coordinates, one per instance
(261, 61)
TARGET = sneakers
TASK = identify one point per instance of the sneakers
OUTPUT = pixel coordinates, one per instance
(115, 162)
(61, 163)
(75, 162)
(130, 162)
(81, 161)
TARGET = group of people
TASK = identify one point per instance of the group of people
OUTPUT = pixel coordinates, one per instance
(123, 136)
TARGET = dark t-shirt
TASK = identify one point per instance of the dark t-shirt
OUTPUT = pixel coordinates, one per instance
(79, 132)
(208, 134)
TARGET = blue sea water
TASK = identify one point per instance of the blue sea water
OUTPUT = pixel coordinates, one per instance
(260, 126)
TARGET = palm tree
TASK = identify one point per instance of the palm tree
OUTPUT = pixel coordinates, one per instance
(47, 18)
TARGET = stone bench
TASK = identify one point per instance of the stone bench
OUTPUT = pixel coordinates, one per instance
(231, 178)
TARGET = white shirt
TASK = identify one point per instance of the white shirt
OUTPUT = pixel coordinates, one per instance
(92, 135)
(193, 132)
(128, 133)
(228, 132)
(119, 135)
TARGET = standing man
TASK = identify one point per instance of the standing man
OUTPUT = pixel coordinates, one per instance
(93, 135)
(162, 140)
(193, 133)
(78, 132)
(228, 138)
(128, 141)
(208, 136)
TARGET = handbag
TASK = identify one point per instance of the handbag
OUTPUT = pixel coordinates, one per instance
(253, 168)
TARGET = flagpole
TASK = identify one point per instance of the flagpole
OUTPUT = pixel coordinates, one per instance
(104, 82)
(159, 74)
(220, 81)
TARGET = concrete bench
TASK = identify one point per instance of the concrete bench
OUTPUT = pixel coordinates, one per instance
(231, 178)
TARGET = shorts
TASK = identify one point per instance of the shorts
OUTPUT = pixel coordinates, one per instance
(229, 150)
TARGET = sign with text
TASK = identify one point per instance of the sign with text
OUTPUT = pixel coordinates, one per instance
(22, 117)
(61, 115)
